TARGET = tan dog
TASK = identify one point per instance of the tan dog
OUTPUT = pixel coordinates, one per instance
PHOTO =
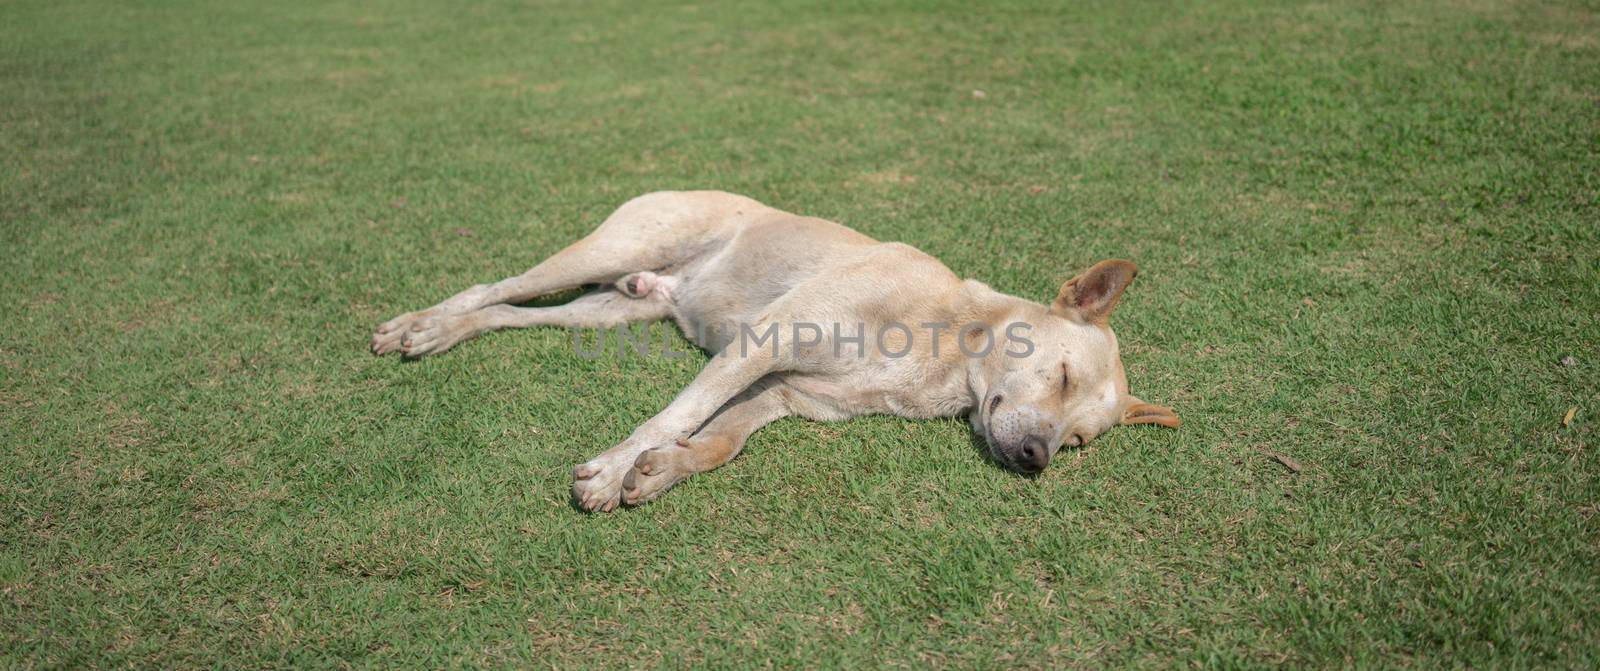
(852, 326)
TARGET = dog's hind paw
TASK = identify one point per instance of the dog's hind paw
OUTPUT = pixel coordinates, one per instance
(434, 335)
(389, 336)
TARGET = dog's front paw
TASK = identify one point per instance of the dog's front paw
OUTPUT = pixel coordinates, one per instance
(654, 472)
(597, 484)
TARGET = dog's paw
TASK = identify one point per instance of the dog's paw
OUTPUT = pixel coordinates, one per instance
(434, 335)
(654, 472)
(389, 336)
(597, 484)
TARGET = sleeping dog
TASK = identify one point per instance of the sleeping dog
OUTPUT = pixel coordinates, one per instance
(807, 317)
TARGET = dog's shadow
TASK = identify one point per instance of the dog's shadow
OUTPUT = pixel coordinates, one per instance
(559, 298)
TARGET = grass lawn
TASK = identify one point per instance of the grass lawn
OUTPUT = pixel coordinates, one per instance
(1370, 242)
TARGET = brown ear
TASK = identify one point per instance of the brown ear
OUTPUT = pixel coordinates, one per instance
(1090, 297)
(1139, 412)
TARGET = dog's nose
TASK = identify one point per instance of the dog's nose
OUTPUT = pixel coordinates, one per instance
(1035, 455)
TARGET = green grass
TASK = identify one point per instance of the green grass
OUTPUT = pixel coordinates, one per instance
(1369, 235)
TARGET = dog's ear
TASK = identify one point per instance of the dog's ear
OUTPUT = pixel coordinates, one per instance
(1090, 297)
(1135, 411)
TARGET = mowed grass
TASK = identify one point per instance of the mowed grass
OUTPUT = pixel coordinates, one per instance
(1369, 236)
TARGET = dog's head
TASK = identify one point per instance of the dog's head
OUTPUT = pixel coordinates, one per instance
(1069, 387)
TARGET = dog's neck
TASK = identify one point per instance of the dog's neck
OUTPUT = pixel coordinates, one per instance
(979, 303)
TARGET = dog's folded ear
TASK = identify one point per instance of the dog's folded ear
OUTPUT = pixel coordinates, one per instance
(1089, 297)
(1135, 411)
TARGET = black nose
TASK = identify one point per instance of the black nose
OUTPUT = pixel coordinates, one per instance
(1035, 456)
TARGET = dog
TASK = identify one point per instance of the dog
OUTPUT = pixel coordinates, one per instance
(886, 329)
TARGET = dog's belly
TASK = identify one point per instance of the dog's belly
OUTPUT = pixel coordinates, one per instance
(709, 329)
(727, 297)
(822, 402)
(731, 287)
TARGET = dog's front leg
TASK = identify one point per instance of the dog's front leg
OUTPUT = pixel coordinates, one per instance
(597, 483)
(659, 468)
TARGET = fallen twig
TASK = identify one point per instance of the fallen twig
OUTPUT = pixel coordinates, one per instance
(1292, 465)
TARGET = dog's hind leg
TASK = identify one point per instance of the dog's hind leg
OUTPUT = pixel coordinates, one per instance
(651, 232)
(719, 441)
(600, 309)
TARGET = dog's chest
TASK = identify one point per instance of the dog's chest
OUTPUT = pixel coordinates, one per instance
(869, 392)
